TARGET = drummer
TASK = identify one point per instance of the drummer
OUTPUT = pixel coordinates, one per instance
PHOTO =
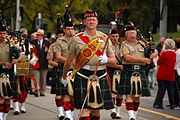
(23, 74)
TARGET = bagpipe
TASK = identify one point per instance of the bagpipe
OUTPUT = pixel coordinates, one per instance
(121, 23)
(149, 45)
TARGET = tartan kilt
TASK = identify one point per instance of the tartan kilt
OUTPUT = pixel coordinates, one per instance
(125, 86)
(80, 89)
(13, 82)
(57, 87)
(110, 72)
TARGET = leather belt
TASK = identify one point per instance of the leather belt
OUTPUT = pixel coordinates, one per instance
(93, 68)
(133, 66)
(88, 77)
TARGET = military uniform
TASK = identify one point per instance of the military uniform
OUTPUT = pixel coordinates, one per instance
(111, 70)
(55, 70)
(5, 57)
(125, 87)
(81, 78)
(61, 46)
(6, 91)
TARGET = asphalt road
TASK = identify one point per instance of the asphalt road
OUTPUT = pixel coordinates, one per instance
(43, 108)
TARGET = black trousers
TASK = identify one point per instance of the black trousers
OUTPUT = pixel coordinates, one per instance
(164, 85)
(177, 90)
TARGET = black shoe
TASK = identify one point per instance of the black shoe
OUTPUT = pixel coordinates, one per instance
(42, 94)
(22, 111)
(36, 94)
(132, 119)
(16, 113)
(158, 107)
(67, 119)
(113, 115)
(61, 118)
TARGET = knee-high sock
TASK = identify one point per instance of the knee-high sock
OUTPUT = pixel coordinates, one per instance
(118, 104)
(1, 111)
(67, 109)
(85, 118)
(22, 97)
(94, 117)
(59, 102)
(60, 108)
(136, 106)
(130, 109)
(6, 108)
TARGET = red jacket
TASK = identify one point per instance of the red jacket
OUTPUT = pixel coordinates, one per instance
(166, 64)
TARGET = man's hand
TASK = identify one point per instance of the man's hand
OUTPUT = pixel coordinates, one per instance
(147, 60)
(103, 59)
(14, 61)
(8, 65)
(64, 82)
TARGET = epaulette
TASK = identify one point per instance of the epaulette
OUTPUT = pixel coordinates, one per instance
(78, 34)
(124, 42)
(104, 35)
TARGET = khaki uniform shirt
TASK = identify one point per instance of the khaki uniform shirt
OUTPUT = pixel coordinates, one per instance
(131, 49)
(117, 55)
(50, 54)
(61, 46)
(76, 45)
(4, 53)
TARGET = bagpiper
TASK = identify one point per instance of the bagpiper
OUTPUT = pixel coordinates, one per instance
(91, 91)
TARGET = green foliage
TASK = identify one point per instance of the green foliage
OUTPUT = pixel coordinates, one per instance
(142, 12)
(169, 35)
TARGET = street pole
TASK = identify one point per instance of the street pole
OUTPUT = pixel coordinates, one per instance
(18, 17)
(163, 18)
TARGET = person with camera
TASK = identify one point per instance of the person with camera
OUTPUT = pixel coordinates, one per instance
(133, 81)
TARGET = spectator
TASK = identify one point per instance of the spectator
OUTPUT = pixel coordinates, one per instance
(165, 81)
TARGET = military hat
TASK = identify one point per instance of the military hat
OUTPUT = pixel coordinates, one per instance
(68, 24)
(130, 27)
(3, 28)
(114, 31)
(90, 13)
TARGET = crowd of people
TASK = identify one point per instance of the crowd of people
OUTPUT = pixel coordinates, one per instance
(90, 70)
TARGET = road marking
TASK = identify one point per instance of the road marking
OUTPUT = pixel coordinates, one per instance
(159, 113)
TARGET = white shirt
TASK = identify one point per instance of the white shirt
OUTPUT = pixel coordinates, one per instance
(40, 42)
(177, 65)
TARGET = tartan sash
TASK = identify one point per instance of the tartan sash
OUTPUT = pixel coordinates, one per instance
(91, 48)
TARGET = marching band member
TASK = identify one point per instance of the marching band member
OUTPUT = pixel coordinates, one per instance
(23, 76)
(87, 47)
(114, 73)
(62, 99)
(9, 56)
(133, 82)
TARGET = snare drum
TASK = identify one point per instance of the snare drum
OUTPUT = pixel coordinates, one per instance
(22, 68)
